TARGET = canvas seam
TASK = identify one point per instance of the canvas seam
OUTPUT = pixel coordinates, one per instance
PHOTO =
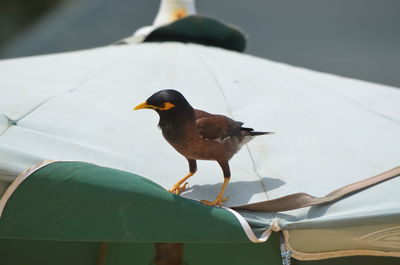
(77, 86)
(9, 125)
(346, 98)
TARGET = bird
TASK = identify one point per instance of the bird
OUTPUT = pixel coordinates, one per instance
(198, 135)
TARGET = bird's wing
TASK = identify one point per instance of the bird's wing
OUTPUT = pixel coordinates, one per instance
(216, 127)
(201, 114)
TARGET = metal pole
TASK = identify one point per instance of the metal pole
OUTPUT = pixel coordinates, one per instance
(168, 254)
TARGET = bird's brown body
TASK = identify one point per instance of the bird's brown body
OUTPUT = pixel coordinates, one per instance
(198, 135)
(201, 141)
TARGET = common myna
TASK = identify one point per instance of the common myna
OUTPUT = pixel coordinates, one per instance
(197, 134)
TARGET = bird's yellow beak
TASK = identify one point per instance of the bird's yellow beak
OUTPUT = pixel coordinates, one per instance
(144, 105)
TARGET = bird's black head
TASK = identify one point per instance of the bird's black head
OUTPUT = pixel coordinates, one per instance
(169, 104)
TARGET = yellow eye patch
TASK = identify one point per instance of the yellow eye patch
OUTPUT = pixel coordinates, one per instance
(167, 106)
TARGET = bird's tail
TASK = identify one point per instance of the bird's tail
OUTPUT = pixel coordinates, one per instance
(260, 133)
(253, 133)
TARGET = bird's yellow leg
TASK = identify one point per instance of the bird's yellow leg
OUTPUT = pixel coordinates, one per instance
(178, 188)
(220, 197)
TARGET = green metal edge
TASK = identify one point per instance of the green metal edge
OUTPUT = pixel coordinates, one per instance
(84, 202)
(202, 30)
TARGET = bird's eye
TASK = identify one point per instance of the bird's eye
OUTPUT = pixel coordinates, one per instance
(167, 106)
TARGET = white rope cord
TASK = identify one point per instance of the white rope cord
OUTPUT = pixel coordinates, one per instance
(247, 229)
(18, 180)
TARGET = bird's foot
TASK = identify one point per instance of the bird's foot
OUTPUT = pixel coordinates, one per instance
(217, 202)
(178, 188)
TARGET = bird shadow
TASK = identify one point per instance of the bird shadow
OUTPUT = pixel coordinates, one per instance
(239, 192)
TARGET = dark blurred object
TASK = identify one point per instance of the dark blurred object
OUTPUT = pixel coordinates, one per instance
(168, 254)
(17, 15)
(80, 24)
(200, 29)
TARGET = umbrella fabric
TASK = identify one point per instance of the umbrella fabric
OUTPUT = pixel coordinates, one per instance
(75, 201)
(330, 131)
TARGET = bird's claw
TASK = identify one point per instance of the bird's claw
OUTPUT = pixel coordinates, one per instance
(178, 189)
(217, 202)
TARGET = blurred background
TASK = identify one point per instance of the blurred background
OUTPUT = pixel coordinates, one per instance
(354, 38)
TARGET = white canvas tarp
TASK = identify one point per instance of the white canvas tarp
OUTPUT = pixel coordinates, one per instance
(330, 131)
